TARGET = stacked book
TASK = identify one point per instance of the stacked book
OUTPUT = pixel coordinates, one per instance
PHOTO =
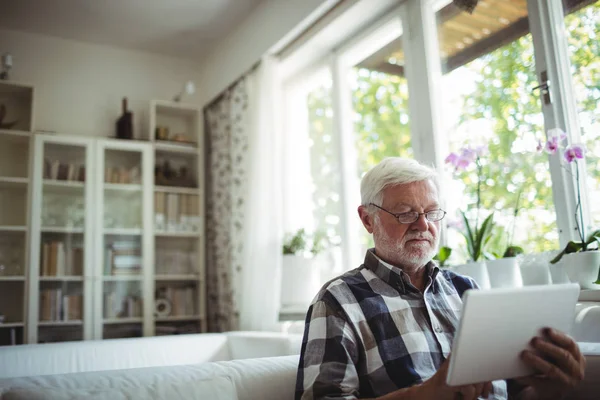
(54, 306)
(59, 260)
(119, 306)
(123, 258)
(175, 212)
(54, 169)
(182, 300)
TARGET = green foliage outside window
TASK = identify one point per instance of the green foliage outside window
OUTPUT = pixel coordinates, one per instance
(503, 96)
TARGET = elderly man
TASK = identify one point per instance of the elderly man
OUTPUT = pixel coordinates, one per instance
(384, 330)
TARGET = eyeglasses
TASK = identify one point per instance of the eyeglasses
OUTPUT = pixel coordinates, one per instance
(413, 216)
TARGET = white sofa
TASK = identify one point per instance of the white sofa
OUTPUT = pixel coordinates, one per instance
(192, 367)
(119, 354)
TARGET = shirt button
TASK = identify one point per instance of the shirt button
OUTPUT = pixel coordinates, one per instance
(438, 329)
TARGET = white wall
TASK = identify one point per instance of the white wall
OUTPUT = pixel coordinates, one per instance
(262, 29)
(79, 86)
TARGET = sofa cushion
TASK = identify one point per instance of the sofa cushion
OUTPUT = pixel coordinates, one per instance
(217, 388)
(263, 378)
(244, 345)
(103, 355)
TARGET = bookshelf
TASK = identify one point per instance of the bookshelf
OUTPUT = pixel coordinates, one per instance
(95, 233)
(178, 284)
(59, 283)
(17, 103)
(91, 260)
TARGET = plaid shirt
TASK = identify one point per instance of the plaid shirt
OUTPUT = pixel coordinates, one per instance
(370, 332)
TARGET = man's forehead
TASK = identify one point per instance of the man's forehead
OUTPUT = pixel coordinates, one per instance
(421, 192)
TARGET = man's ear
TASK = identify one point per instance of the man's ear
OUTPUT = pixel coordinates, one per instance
(366, 218)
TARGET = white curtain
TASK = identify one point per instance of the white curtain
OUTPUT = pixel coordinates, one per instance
(259, 298)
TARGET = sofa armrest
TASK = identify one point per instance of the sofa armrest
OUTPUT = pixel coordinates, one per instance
(244, 345)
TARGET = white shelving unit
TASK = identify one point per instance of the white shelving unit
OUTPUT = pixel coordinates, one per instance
(15, 197)
(178, 222)
(92, 196)
(92, 253)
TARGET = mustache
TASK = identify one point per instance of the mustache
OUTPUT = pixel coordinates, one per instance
(421, 236)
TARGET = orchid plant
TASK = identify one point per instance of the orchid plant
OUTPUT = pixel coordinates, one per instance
(476, 236)
(572, 153)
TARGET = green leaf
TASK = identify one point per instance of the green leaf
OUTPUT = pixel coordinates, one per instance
(443, 255)
(469, 237)
(513, 251)
(571, 247)
(482, 237)
(593, 237)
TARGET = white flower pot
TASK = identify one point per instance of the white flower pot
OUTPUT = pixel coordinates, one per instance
(300, 280)
(582, 268)
(536, 273)
(504, 272)
(476, 270)
(558, 273)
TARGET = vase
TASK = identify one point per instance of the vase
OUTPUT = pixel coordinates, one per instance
(536, 273)
(300, 281)
(582, 268)
(476, 270)
(504, 273)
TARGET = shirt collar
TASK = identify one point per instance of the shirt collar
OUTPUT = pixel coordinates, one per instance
(395, 276)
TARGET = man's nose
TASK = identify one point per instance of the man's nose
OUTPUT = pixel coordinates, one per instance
(420, 224)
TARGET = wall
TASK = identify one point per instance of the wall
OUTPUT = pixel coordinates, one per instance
(79, 86)
(266, 26)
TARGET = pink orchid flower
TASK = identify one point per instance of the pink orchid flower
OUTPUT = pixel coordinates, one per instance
(539, 146)
(558, 134)
(451, 159)
(552, 145)
(574, 152)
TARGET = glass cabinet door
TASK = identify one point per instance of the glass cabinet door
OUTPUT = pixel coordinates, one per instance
(123, 203)
(61, 240)
(14, 187)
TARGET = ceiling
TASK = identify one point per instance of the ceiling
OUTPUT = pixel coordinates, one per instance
(463, 37)
(180, 28)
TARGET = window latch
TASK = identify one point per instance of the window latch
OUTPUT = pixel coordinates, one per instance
(544, 88)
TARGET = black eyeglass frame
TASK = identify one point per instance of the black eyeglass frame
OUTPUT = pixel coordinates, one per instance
(418, 214)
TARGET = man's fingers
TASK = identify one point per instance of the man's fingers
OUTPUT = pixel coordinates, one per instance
(564, 341)
(487, 389)
(468, 392)
(546, 368)
(567, 361)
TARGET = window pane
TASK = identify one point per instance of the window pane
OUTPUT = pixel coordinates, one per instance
(324, 160)
(488, 72)
(381, 119)
(583, 27)
(312, 177)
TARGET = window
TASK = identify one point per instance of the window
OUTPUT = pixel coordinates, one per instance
(312, 178)
(358, 113)
(583, 28)
(488, 72)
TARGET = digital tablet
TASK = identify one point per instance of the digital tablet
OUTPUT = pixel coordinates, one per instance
(496, 325)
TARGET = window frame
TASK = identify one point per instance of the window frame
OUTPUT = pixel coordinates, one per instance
(423, 74)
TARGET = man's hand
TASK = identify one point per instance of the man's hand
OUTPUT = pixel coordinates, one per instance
(559, 363)
(436, 387)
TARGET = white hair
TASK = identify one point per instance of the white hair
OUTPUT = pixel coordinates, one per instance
(393, 171)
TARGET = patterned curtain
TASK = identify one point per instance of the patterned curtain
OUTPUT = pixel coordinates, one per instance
(226, 134)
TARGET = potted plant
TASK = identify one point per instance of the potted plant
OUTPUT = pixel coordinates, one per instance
(443, 255)
(301, 267)
(477, 236)
(580, 258)
(504, 269)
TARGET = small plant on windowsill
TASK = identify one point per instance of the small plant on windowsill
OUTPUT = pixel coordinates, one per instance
(477, 236)
(572, 153)
(302, 243)
(512, 250)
